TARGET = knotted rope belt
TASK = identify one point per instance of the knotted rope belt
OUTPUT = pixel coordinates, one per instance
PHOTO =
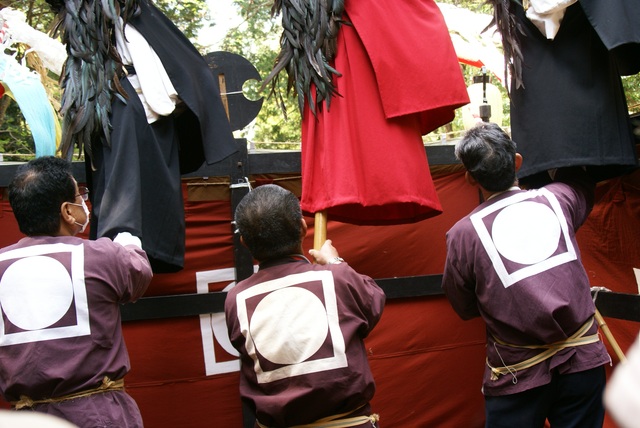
(106, 385)
(576, 339)
(336, 421)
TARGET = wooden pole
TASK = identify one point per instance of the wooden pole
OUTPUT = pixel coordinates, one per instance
(607, 333)
(222, 83)
(320, 229)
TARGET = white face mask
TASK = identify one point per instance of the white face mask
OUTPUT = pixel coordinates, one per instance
(86, 212)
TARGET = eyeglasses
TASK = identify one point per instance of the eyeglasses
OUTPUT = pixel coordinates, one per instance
(83, 192)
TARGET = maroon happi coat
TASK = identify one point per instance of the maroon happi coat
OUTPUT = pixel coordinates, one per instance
(299, 328)
(515, 262)
(60, 330)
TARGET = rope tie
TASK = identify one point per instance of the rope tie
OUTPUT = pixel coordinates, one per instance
(336, 421)
(576, 339)
(106, 385)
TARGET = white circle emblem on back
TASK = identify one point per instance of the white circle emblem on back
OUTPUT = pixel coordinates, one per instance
(289, 325)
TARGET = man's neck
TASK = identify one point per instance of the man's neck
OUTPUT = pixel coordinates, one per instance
(489, 195)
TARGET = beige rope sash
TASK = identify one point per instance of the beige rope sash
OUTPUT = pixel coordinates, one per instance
(107, 385)
(576, 339)
(336, 421)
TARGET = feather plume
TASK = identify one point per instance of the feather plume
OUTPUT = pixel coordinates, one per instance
(91, 75)
(307, 48)
(511, 30)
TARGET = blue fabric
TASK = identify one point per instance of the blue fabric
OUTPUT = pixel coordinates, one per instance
(28, 91)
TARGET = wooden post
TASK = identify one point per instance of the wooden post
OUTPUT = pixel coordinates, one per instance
(223, 94)
(607, 333)
(320, 229)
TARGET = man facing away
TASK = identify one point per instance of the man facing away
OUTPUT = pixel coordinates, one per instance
(515, 262)
(299, 327)
(62, 351)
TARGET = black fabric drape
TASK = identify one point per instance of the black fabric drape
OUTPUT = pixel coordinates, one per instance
(617, 22)
(136, 184)
(572, 109)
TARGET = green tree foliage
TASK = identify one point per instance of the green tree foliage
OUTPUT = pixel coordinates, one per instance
(631, 86)
(38, 12)
(257, 39)
(188, 15)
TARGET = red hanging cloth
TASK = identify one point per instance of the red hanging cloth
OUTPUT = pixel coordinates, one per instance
(363, 160)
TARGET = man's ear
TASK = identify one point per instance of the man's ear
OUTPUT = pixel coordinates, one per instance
(518, 161)
(68, 226)
(65, 214)
(470, 179)
(303, 230)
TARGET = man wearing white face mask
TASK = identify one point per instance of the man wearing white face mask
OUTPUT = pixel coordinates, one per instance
(83, 192)
(62, 351)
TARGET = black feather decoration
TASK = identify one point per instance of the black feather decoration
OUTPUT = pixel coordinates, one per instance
(307, 48)
(93, 69)
(511, 30)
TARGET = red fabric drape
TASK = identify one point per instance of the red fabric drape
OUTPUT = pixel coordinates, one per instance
(363, 159)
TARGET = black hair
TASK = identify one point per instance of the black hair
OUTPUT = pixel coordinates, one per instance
(37, 191)
(269, 221)
(488, 154)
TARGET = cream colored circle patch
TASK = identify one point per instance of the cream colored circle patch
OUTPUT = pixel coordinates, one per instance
(289, 325)
(35, 292)
(526, 233)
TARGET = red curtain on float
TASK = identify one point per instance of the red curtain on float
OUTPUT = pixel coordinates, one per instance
(426, 361)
